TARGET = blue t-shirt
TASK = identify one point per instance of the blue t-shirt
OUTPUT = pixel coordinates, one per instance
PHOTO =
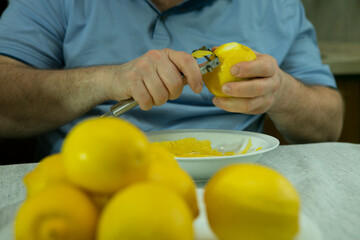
(63, 34)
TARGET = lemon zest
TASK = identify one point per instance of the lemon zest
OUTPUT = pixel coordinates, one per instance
(191, 147)
(246, 149)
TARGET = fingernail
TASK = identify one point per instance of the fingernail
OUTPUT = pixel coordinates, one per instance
(198, 88)
(226, 89)
(215, 100)
(235, 71)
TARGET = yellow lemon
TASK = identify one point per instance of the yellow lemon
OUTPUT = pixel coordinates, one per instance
(164, 169)
(48, 172)
(103, 155)
(177, 179)
(251, 202)
(146, 211)
(59, 212)
(228, 54)
(160, 154)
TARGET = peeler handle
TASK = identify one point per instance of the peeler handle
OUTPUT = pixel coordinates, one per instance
(121, 107)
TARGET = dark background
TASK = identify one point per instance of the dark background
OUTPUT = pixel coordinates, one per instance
(3, 5)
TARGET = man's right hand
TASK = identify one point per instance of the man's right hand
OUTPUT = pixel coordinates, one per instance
(154, 78)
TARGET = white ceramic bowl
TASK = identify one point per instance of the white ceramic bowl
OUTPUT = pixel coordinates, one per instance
(202, 168)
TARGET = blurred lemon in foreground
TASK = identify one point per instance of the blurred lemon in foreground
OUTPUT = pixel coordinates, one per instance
(228, 54)
(160, 154)
(251, 202)
(103, 155)
(146, 211)
(59, 212)
(48, 172)
(176, 179)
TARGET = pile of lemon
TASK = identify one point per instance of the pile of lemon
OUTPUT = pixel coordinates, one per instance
(110, 183)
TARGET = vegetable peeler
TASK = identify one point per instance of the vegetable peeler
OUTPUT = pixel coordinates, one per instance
(212, 61)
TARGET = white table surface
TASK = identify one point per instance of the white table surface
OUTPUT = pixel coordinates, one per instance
(327, 176)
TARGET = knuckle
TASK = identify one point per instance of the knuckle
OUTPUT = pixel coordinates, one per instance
(142, 65)
(267, 68)
(276, 86)
(146, 103)
(270, 100)
(273, 66)
(175, 90)
(244, 68)
(274, 61)
(174, 95)
(132, 76)
(259, 89)
(247, 106)
(234, 90)
(188, 58)
(163, 97)
(154, 54)
(263, 89)
(247, 70)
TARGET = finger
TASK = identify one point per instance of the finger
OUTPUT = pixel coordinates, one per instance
(172, 79)
(141, 94)
(189, 67)
(146, 67)
(256, 105)
(156, 88)
(214, 48)
(263, 66)
(250, 88)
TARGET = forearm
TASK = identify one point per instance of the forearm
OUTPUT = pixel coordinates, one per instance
(307, 113)
(34, 101)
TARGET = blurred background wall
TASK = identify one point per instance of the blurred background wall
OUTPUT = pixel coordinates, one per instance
(335, 20)
(337, 23)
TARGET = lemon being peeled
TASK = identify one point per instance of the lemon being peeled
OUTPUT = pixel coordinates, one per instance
(252, 202)
(228, 54)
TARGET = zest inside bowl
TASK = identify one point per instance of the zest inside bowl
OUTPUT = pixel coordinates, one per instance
(202, 168)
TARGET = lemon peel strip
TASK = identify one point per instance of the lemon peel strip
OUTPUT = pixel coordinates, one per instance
(248, 146)
(201, 53)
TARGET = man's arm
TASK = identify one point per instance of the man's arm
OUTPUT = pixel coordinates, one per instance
(301, 113)
(308, 113)
(34, 101)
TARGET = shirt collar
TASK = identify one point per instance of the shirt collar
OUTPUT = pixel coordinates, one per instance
(184, 7)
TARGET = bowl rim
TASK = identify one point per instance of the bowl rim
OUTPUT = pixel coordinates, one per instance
(273, 142)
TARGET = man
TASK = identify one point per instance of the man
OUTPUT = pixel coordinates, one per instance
(63, 61)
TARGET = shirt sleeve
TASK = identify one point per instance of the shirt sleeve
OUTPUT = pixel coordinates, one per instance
(303, 61)
(33, 32)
